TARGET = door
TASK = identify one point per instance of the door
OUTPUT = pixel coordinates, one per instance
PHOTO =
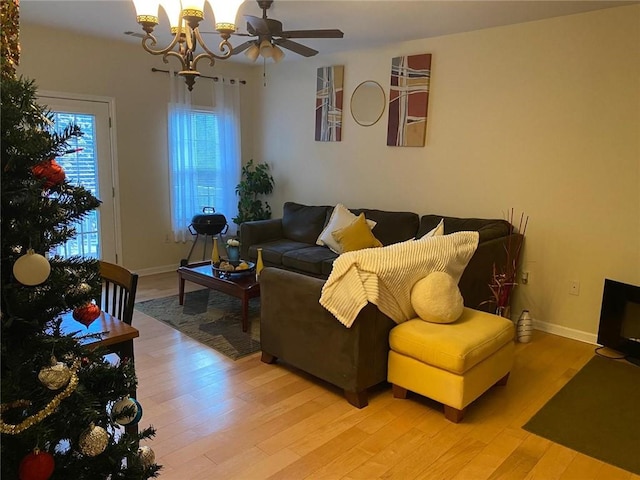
(92, 167)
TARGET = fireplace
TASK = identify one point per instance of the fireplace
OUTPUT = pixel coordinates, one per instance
(619, 327)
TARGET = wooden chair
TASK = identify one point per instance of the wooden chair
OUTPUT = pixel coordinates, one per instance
(118, 299)
(119, 287)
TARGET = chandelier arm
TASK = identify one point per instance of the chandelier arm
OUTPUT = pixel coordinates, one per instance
(225, 47)
(180, 57)
(149, 41)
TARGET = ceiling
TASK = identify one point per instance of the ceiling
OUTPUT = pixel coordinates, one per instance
(365, 23)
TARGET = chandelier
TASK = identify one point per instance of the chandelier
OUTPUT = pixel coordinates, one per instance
(184, 18)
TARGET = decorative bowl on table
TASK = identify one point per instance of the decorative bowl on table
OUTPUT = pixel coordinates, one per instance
(225, 268)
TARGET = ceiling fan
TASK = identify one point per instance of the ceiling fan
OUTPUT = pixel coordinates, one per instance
(270, 37)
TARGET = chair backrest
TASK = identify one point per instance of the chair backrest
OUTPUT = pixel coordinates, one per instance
(119, 287)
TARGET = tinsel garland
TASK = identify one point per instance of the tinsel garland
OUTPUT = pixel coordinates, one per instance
(42, 414)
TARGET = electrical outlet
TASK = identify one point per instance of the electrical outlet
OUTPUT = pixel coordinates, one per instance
(574, 287)
(525, 278)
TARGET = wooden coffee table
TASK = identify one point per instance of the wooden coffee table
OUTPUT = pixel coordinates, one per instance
(243, 286)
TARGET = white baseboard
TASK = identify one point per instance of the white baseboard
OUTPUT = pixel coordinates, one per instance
(566, 332)
(155, 270)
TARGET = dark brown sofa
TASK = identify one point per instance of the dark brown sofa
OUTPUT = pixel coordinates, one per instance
(296, 329)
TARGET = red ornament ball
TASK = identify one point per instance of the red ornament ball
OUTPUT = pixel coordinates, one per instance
(86, 314)
(37, 465)
(49, 170)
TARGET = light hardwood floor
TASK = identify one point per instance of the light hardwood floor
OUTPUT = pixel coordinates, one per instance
(217, 418)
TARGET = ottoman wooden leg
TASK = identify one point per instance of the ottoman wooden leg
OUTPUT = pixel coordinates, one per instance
(453, 414)
(268, 358)
(398, 391)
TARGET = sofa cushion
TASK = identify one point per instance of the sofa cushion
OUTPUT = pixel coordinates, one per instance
(487, 228)
(303, 223)
(391, 227)
(272, 252)
(436, 298)
(355, 236)
(340, 218)
(308, 260)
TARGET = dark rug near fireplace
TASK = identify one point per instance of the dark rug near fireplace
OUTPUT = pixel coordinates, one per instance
(212, 318)
(597, 413)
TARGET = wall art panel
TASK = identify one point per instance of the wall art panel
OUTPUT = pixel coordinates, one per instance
(329, 95)
(409, 100)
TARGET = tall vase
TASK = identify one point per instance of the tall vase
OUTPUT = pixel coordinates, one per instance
(524, 327)
(259, 264)
(215, 254)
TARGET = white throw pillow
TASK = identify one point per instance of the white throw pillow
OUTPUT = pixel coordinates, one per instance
(436, 231)
(436, 298)
(340, 218)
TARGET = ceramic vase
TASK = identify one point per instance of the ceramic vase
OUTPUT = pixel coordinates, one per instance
(234, 254)
(259, 264)
(524, 327)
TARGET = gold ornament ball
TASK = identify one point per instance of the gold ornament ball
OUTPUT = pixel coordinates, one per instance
(55, 376)
(31, 269)
(147, 456)
(93, 441)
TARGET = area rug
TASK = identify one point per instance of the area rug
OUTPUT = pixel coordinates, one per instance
(212, 318)
(597, 413)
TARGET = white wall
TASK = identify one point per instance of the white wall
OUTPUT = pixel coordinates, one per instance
(63, 62)
(542, 117)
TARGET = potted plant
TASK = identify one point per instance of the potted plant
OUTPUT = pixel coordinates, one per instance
(255, 181)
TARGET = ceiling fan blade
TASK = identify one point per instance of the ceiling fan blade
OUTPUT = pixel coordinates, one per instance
(327, 33)
(259, 25)
(295, 47)
(242, 47)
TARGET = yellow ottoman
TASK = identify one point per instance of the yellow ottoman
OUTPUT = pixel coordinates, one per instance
(451, 363)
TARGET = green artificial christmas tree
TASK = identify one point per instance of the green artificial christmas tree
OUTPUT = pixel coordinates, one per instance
(57, 396)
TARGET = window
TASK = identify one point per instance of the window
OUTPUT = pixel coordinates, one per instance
(204, 158)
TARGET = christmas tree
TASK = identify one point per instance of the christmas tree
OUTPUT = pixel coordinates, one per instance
(58, 398)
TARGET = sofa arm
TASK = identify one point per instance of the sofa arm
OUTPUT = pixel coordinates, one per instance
(297, 329)
(259, 231)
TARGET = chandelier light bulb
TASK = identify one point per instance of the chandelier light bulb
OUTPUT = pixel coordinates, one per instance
(172, 9)
(225, 13)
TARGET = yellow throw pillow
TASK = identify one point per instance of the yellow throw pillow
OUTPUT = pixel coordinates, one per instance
(355, 236)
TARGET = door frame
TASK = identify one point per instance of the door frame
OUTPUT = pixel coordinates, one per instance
(113, 160)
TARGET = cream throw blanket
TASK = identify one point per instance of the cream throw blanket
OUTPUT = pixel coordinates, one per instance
(385, 276)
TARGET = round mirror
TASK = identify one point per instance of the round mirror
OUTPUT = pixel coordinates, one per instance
(367, 103)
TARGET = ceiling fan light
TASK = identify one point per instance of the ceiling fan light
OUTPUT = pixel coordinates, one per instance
(278, 54)
(225, 13)
(266, 49)
(253, 52)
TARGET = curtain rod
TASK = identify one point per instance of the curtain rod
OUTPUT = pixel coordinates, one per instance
(215, 79)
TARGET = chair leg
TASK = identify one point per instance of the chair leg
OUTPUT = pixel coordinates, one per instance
(268, 358)
(453, 414)
(398, 391)
(358, 399)
(503, 381)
